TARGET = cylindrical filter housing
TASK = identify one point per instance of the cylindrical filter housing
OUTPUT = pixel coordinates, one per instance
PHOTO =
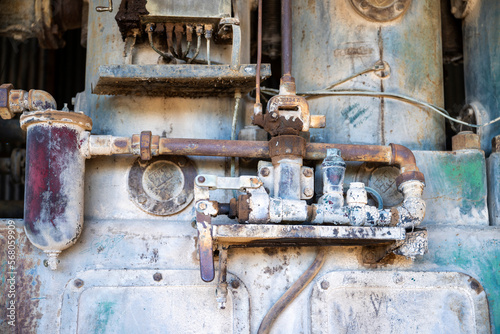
(53, 209)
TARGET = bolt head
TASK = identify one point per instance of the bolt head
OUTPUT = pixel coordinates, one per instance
(202, 206)
(157, 277)
(78, 283)
(235, 284)
(308, 192)
(325, 285)
(265, 171)
(201, 179)
(399, 6)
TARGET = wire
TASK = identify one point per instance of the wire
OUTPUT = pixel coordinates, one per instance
(395, 96)
(237, 97)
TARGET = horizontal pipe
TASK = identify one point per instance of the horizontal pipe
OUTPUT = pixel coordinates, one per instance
(396, 155)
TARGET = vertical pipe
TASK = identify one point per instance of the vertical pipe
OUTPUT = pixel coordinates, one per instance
(259, 53)
(286, 37)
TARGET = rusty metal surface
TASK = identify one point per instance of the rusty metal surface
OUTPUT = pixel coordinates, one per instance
(5, 111)
(55, 116)
(162, 186)
(54, 186)
(261, 235)
(465, 140)
(177, 80)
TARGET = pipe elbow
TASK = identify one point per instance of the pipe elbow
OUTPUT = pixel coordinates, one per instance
(412, 211)
(403, 158)
(39, 100)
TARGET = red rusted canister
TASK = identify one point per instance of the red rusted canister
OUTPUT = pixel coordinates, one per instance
(53, 203)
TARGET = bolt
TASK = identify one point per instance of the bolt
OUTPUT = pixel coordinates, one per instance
(399, 6)
(78, 283)
(325, 285)
(288, 150)
(307, 172)
(201, 179)
(265, 171)
(274, 115)
(235, 284)
(364, 4)
(308, 192)
(142, 199)
(202, 206)
(369, 257)
(181, 200)
(157, 277)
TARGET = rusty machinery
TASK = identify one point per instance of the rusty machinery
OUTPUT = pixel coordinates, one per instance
(279, 205)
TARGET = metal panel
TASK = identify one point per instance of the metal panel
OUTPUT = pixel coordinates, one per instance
(150, 301)
(205, 8)
(333, 42)
(398, 302)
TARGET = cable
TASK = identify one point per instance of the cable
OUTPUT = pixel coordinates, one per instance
(292, 292)
(394, 96)
(150, 29)
(259, 53)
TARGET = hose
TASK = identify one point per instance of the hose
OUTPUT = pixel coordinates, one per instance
(292, 293)
(376, 196)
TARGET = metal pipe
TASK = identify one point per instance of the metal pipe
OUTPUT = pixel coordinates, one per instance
(396, 155)
(292, 293)
(286, 37)
(259, 54)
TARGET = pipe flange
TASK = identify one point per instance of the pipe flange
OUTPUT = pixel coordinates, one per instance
(162, 186)
(381, 10)
(55, 116)
(410, 176)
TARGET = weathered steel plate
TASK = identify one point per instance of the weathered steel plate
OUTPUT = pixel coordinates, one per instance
(133, 301)
(177, 80)
(398, 302)
(253, 234)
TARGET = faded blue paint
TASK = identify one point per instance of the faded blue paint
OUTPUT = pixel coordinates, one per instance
(103, 313)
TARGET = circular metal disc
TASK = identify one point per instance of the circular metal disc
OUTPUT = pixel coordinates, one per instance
(162, 186)
(381, 10)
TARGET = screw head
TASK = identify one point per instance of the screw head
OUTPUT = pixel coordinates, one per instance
(325, 285)
(201, 179)
(78, 283)
(157, 277)
(235, 284)
(265, 171)
(202, 206)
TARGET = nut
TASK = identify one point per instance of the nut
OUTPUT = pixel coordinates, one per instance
(264, 171)
(465, 140)
(308, 192)
(495, 144)
(307, 172)
(5, 111)
(157, 277)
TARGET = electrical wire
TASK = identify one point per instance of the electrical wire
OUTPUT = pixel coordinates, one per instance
(288, 297)
(395, 96)
(259, 53)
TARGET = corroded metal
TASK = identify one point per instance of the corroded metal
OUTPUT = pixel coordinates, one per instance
(177, 80)
(162, 186)
(261, 235)
(5, 111)
(54, 179)
(465, 140)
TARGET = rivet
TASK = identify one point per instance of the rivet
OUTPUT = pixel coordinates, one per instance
(201, 179)
(78, 283)
(235, 284)
(158, 277)
(325, 285)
